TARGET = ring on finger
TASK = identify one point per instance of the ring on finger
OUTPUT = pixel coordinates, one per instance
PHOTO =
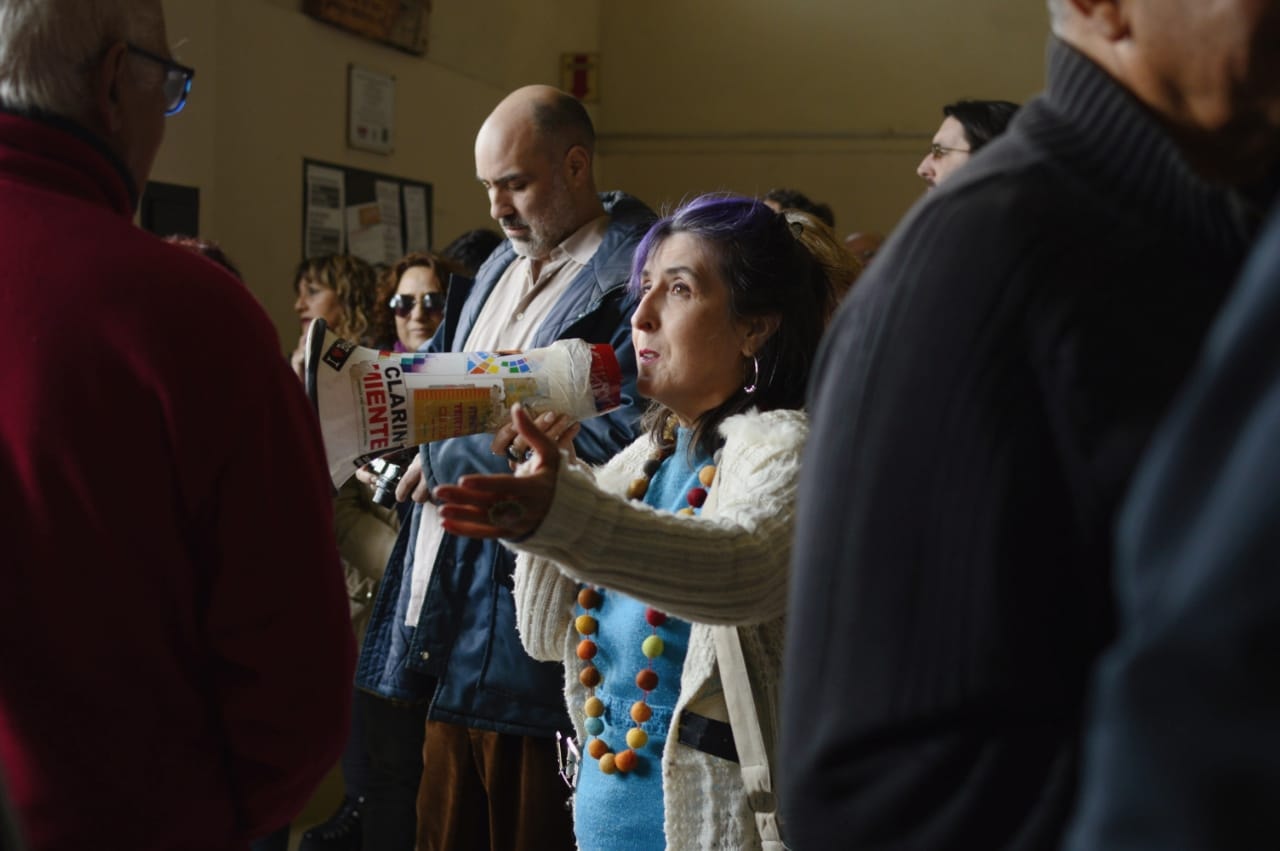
(506, 513)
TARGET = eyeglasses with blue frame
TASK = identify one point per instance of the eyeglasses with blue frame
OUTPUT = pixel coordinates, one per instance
(177, 79)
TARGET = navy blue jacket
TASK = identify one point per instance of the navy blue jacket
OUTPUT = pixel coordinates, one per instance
(464, 654)
(1182, 751)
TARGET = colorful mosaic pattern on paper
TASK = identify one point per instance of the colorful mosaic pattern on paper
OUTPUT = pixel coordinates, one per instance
(413, 363)
(484, 363)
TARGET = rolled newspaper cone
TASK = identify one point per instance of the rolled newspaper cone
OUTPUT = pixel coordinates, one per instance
(371, 403)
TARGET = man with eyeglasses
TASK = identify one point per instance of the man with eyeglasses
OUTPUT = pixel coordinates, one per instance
(978, 410)
(175, 655)
(967, 126)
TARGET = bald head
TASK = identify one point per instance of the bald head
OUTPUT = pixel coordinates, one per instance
(534, 158)
(555, 119)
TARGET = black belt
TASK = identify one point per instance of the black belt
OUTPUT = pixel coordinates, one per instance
(707, 735)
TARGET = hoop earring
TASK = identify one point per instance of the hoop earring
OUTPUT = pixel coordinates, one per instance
(751, 388)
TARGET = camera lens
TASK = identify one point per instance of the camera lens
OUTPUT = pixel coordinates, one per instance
(384, 488)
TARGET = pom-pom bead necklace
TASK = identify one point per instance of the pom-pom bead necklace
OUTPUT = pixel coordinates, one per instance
(588, 627)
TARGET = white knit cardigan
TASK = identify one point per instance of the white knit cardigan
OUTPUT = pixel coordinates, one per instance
(727, 567)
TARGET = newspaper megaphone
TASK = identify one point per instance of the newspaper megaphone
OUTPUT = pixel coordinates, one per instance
(371, 403)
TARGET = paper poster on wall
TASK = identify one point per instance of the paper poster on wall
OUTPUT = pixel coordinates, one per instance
(371, 121)
(366, 234)
(389, 205)
(415, 219)
(322, 216)
(376, 217)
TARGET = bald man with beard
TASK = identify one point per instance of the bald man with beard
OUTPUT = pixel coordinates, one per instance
(443, 631)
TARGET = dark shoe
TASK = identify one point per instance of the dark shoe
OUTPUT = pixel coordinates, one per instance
(341, 832)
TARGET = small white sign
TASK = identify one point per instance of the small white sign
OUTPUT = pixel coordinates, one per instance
(371, 122)
(415, 219)
(324, 231)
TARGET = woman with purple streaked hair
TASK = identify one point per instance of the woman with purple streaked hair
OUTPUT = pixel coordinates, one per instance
(630, 573)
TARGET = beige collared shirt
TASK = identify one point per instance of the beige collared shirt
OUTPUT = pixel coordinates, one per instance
(508, 320)
(520, 302)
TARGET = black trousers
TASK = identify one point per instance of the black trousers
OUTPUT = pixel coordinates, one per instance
(393, 736)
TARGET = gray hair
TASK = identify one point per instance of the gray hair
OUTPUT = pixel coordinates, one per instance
(48, 48)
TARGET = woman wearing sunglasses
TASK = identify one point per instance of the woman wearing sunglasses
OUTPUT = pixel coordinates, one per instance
(422, 280)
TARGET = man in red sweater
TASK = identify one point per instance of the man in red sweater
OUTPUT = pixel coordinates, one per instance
(175, 655)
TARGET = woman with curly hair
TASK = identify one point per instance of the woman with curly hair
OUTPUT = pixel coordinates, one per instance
(341, 290)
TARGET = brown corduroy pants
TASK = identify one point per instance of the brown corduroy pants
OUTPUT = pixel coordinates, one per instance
(485, 791)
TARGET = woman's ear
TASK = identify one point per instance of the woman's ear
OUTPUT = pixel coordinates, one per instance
(758, 331)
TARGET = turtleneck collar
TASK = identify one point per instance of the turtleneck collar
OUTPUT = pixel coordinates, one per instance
(51, 149)
(1098, 129)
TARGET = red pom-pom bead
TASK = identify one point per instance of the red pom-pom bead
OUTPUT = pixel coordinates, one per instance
(654, 617)
(696, 496)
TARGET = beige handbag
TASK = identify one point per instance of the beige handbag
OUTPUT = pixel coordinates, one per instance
(746, 737)
(745, 721)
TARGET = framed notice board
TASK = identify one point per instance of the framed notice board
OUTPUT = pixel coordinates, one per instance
(377, 217)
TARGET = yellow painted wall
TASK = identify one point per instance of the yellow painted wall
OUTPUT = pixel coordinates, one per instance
(837, 98)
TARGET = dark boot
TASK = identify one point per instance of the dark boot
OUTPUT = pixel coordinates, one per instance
(341, 832)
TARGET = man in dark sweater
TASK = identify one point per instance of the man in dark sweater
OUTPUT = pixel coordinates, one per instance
(979, 406)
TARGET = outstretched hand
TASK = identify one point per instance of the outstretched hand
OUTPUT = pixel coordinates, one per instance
(505, 506)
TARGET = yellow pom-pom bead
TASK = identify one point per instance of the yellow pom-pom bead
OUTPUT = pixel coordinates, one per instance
(594, 707)
(608, 763)
(637, 738)
(685, 512)
(585, 624)
(637, 488)
(707, 475)
(652, 647)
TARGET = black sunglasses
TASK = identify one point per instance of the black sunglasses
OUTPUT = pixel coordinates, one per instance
(402, 303)
(177, 79)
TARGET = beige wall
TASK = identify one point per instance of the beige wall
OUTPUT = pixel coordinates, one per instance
(835, 98)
